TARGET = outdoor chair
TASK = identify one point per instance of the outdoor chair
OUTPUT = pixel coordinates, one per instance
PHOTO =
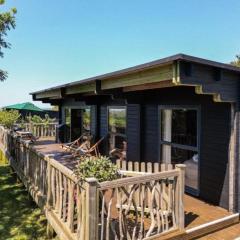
(86, 149)
(119, 153)
(72, 146)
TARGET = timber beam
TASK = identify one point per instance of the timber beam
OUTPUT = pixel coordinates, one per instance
(222, 84)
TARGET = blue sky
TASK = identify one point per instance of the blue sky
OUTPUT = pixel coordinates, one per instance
(57, 42)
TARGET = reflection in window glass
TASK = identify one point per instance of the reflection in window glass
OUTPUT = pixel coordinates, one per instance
(179, 141)
(190, 159)
(68, 116)
(117, 132)
(68, 124)
(179, 126)
(86, 120)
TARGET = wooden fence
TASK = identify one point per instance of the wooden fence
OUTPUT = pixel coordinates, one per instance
(41, 129)
(140, 205)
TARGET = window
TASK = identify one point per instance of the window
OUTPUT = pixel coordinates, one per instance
(117, 131)
(68, 116)
(86, 120)
(67, 120)
(77, 122)
(179, 141)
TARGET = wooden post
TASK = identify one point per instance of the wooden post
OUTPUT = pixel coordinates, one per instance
(181, 190)
(233, 161)
(92, 203)
(48, 184)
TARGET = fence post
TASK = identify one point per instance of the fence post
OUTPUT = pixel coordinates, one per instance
(92, 206)
(181, 168)
(48, 183)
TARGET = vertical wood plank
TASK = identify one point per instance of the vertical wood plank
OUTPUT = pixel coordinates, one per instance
(130, 166)
(60, 195)
(124, 165)
(181, 189)
(91, 209)
(149, 193)
(65, 190)
(48, 184)
(118, 162)
(70, 205)
(53, 187)
(143, 167)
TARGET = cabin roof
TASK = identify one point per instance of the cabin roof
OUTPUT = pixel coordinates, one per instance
(146, 66)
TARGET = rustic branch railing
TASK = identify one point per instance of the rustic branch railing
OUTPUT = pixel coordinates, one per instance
(41, 129)
(138, 206)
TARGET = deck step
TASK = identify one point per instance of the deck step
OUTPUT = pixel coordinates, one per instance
(212, 226)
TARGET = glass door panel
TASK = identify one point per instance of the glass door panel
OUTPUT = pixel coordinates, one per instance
(178, 140)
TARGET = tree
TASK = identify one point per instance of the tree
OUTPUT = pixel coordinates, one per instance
(7, 22)
(236, 62)
(8, 118)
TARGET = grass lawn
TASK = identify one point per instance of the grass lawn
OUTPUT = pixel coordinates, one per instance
(20, 218)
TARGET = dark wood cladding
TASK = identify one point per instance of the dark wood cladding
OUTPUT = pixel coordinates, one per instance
(103, 121)
(214, 135)
(94, 121)
(143, 132)
(150, 147)
(212, 80)
(133, 132)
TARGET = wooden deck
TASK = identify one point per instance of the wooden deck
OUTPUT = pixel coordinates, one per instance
(47, 146)
(229, 233)
(197, 212)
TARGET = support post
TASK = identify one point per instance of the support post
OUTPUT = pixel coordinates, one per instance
(48, 184)
(92, 206)
(181, 189)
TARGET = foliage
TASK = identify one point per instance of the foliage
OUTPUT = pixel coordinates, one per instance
(117, 118)
(38, 119)
(7, 22)
(100, 168)
(86, 119)
(236, 62)
(9, 118)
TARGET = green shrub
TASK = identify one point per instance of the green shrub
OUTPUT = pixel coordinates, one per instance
(99, 167)
(37, 119)
(9, 118)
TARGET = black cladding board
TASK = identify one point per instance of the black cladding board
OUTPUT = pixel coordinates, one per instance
(133, 132)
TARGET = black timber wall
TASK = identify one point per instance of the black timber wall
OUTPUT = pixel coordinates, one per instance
(133, 132)
(214, 136)
(143, 133)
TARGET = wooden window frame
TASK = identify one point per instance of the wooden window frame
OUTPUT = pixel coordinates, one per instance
(190, 190)
(116, 107)
(64, 108)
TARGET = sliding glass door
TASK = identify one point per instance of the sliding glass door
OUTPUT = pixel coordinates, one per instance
(117, 123)
(77, 122)
(179, 141)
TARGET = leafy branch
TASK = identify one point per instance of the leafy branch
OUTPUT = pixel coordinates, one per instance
(7, 22)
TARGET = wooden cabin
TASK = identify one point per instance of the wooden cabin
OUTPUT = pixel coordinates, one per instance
(179, 109)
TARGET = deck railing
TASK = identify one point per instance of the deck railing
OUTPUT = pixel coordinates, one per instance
(137, 206)
(41, 129)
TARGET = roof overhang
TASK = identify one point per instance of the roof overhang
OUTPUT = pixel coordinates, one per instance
(207, 76)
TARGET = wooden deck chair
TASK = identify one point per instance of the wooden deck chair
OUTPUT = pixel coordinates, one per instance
(86, 150)
(76, 143)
